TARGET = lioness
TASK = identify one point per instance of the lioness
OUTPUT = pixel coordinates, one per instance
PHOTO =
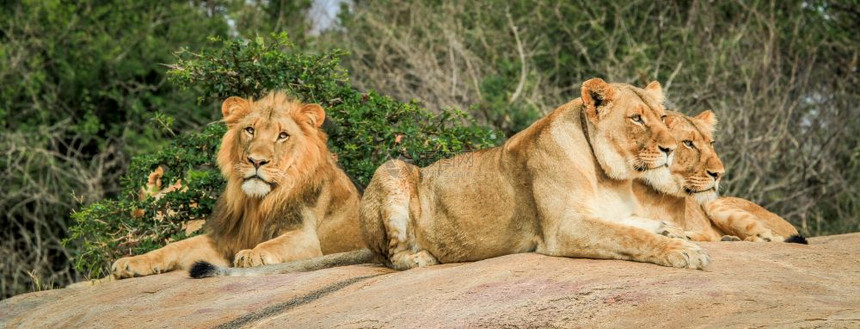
(562, 187)
(285, 199)
(691, 198)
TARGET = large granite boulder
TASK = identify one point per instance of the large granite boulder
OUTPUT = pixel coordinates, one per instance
(748, 285)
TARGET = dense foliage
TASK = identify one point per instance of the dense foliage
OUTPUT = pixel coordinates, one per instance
(81, 91)
(365, 129)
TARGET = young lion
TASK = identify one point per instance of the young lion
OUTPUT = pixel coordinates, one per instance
(693, 203)
(285, 199)
(562, 187)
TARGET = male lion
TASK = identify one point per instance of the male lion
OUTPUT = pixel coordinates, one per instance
(691, 199)
(285, 199)
(562, 187)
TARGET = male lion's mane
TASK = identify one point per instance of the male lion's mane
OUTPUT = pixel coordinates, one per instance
(241, 222)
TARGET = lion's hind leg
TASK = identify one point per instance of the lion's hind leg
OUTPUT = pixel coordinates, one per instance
(387, 209)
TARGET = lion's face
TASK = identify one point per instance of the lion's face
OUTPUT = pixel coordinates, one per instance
(271, 142)
(697, 169)
(627, 131)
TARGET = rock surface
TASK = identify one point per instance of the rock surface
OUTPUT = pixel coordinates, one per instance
(748, 285)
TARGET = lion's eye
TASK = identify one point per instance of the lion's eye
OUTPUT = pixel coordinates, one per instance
(636, 118)
(283, 136)
(663, 118)
(688, 143)
(250, 130)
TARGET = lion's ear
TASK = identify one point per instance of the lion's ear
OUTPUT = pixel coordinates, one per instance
(670, 120)
(314, 113)
(235, 108)
(596, 94)
(708, 117)
(656, 90)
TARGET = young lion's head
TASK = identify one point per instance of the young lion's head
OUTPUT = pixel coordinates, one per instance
(626, 128)
(272, 143)
(697, 169)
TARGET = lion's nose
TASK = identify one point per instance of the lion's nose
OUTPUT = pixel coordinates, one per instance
(666, 150)
(715, 174)
(257, 162)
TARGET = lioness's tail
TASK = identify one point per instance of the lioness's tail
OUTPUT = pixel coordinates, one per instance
(204, 269)
(797, 238)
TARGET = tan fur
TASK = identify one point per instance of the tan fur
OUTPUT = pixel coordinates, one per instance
(558, 188)
(746, 220)
(562, 187)
(285, 199)
(696, 207)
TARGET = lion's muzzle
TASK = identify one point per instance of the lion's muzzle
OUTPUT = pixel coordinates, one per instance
(256, 186)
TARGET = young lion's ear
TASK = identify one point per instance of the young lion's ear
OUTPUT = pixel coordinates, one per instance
(670, 120)
(596, 95)
(235, 108)
(708, 117)
(314, 113)
(656, 90)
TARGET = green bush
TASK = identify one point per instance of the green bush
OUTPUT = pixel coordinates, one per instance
(77, 81)
(363, 128)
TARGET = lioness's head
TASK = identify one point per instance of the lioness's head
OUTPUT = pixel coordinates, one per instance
(626, 128)
(271, 143)
(697, 169)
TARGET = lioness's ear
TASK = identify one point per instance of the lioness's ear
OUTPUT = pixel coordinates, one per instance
(234, 108)
(708, 117)
(596, 94)
(314, 113)
(670, 120)
(656, 90)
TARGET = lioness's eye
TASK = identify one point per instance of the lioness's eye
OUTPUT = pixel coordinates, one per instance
(663, 118)
(688, 143)
(249, 130)
(636, 118)
(283, 135)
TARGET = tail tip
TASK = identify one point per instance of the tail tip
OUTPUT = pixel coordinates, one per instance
(797, 238)
(202, 269)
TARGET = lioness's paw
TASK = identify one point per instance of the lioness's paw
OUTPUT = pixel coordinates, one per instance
(670, 230)
(424, 258)
(685, 254)
(254, 257)
(766, 236)
(128, 267)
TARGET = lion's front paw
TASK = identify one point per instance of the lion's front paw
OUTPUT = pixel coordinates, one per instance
(128, 267)
(685, 254)
(254, 257)
(670, 230)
